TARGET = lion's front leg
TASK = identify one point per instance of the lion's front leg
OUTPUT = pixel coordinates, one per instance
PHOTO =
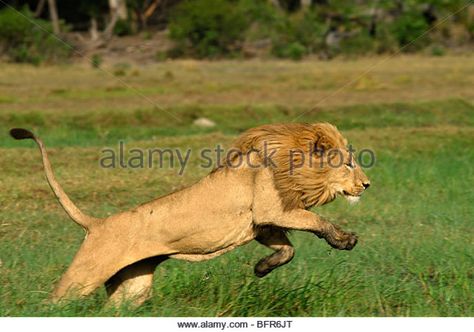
(307, 221)
(275, 239)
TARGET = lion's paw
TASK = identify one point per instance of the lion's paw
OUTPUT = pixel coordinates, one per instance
(345, 241)
(261, 270)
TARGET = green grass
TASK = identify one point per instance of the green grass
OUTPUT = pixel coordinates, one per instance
(414, 258)
(98, 127)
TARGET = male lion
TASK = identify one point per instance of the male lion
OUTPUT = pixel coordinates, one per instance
(286, 169)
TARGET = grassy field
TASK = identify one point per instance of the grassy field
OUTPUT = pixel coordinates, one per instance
(415, 256)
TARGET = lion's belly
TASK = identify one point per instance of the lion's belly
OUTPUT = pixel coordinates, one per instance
(208, 234)
(207, 256)
(202, 220)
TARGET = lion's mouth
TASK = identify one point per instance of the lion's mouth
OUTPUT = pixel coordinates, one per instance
(346, 193)
(350, 197)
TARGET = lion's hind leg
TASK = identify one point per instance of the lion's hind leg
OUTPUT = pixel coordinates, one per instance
(89, 270)
(96, 263)
(133, 284)
(276, 239)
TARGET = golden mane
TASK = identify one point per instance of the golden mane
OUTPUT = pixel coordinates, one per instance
(295, 144)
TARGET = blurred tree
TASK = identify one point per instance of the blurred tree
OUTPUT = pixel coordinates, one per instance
(39, 8)
(119, 8)
(151, 9)
(53, 13)
(145, 10)
(288, 26)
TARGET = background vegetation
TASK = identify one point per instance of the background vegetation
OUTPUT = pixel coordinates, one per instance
(238, 28)
(415, 253)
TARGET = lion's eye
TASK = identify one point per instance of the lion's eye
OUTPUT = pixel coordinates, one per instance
(350, 165)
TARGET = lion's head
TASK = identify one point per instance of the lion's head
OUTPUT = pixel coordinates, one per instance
(311, 163)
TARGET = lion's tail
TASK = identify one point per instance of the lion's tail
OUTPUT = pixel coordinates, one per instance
(71, 209)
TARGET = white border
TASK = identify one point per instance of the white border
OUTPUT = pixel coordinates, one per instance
(297, 324)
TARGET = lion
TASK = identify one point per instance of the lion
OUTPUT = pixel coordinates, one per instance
(285, 170)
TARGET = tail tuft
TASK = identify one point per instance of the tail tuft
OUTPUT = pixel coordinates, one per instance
(20, 133)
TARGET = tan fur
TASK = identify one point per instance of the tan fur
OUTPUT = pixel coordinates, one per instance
(228, 208)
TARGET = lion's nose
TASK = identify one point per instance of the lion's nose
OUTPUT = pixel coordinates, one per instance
(366, 185)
